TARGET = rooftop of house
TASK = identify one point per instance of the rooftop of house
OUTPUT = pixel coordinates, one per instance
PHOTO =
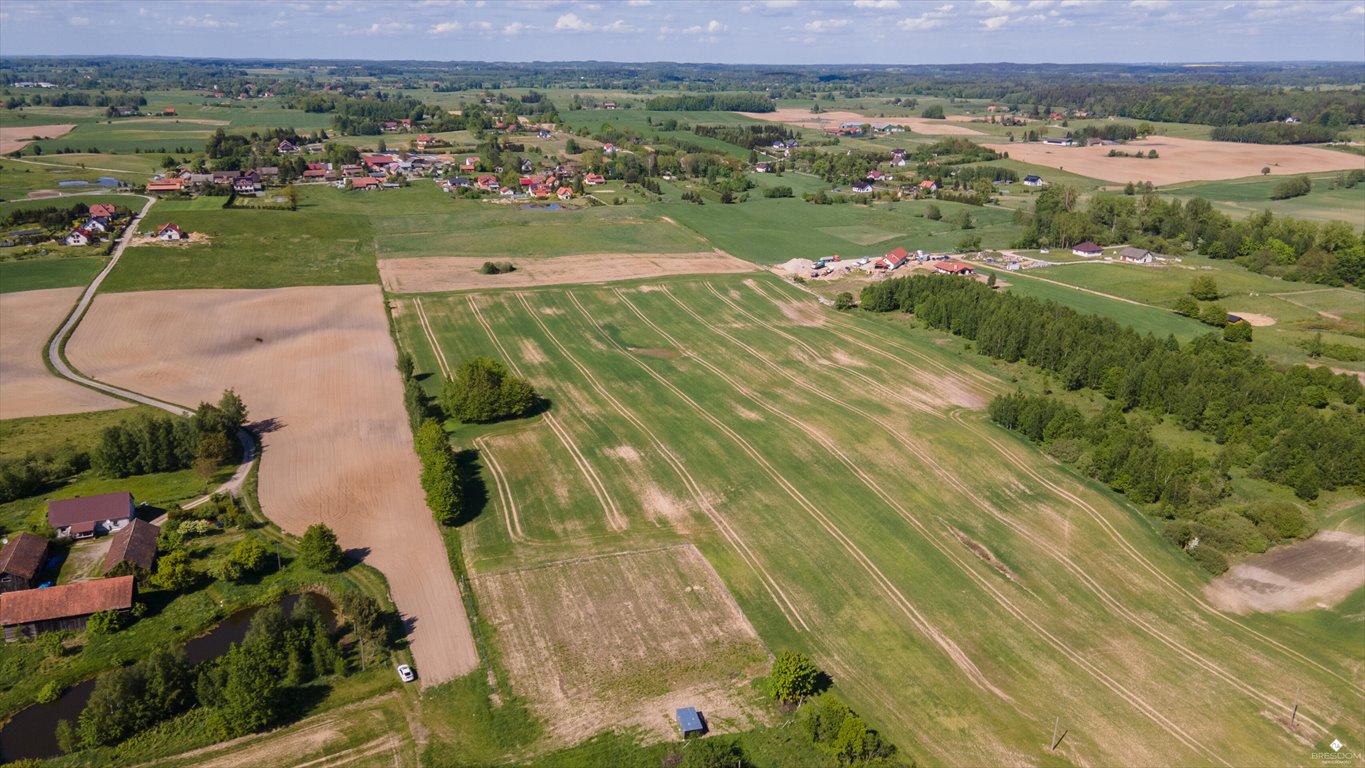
(79, 599)
(23, 555)
(136, 544)
(84, 509)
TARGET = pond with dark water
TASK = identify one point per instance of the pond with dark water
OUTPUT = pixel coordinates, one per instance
(32, 732)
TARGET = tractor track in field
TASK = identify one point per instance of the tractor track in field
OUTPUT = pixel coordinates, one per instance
(615, 520)
(509, 505)
(1061, 558)
(950, 648)
(1208, 665)
(779, 597)
(431, 337)
(1134, 699)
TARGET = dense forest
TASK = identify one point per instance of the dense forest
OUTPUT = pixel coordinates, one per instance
(717, 102)
(1299, 427)
(1331, 253)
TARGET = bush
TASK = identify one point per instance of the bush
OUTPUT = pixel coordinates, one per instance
(49, 693)
(843, 301)
(1238, 332)
(1187, 306)
(932, 213)
(104, 623)
(793, 677)
(318, 548)
(497, 268)
(1210, 559)
(1213, 314)
(779, 192)
(1297, 186)
(1204, 288)
(933, 112)
(483, 391)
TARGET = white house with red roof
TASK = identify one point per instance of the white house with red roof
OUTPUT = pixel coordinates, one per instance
(893, 260)
(953, 268)
(170, 232)
(78, 237)
(564, 193)
(102, 211)
(593, 180)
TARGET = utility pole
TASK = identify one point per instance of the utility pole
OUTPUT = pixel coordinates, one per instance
(1055, 723)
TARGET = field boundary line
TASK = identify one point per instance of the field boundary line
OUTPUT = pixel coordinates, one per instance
(615, 520)
(693, 487)
(1004, 602)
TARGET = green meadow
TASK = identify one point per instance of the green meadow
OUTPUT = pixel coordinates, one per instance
(35, 274)
(1242, 197)
(837, 471)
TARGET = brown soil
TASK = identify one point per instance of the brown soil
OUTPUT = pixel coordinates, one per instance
(622, 640)
(805, 119)
(322, 383)
(980, 550)
(1317, 573)
(27, 319)
(15, 137)
(1259, 321)
(1183, 160)
(457, 273)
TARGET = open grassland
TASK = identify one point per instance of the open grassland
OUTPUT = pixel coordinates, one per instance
(21, 178)
(771, 231)
(836, 471)
(38, 274)
(1181, 160)
(315, 245)
(316, 366)
(27, 321)
(1243, 197)
(634, 635)
(1298, 311)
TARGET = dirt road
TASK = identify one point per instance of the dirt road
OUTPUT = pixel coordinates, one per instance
(317, 368)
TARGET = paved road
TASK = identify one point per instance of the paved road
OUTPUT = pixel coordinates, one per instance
(65, 371)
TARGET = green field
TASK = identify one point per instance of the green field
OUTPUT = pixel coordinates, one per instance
(1243, 197)
(33, 274)
(826, 467)
(1297, 308)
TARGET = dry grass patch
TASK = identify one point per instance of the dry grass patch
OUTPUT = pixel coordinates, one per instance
(457, 273)
(317, 368)
(1317, 573)
(1183, 160)
(27, 320)
(14, 138)
(621, 640)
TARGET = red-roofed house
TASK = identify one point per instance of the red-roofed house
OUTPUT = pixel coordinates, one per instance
(487, 183)
(564, 193)
(135, 545)
(378, 161)
(166, 185)
(365, 182)
(893, 260)
(68, 607)
(593, 180)
(928, 185)
(78, 237)
(102, 211)
(84, 517)
(171, 232)
(954, 268)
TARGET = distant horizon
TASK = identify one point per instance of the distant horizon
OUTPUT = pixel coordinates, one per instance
(752, 32)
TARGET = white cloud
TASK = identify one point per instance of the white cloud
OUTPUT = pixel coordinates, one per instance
(143, 12)
(638, 3)
(445, 28)
(207, 22)
(1064, 23)
(620, 26)
(1150, 5)
(388, 28)
(278, 23)
(919, 23)
(714, 26)
(514, 29)
(780, 3)
(876, 3)
(80, 21)
(825, 25)
(994, 22)
(480, 25)
(995, 6)
(572, 23)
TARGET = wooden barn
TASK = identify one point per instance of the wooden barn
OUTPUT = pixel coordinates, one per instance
(20, 561)
(32, 612)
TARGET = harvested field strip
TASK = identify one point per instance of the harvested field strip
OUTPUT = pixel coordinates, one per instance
(943, 473)
(505, 500)
(731, 536)
(613, 514)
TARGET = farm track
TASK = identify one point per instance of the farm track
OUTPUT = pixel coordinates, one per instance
(784, 604)
(949, 647)
(505, 500)
(958, 416)
(1133, 698)
(615, 520)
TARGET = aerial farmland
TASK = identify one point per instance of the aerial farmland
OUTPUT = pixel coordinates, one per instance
(611, 414)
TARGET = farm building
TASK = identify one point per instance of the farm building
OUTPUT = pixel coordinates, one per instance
(689, 722)
(1087, 249)
(954, 268)
(1136, 255)
(20, 561)
(928, 185)
(77, 237)
(85, 517)
(166, 185)
(364, 182)
(1062, 142)
(32, 612)
(170, 231)
(1033, 181)
(135, 545)
(892, 260)
(862, 187)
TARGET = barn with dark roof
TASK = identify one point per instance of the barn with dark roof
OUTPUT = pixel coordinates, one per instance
(135, 545)
(20, 561)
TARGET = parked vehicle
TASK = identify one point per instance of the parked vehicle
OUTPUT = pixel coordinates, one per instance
(405, 673)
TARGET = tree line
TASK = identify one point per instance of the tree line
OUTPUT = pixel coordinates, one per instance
(164, 443)
(746, 136)
(1331, 253)
(713, 102)
(1300, 427)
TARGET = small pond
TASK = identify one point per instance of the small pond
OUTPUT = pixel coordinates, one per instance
(31, 733)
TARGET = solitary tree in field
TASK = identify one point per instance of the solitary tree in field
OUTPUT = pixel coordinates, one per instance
(1265, 171)
(1204, 288)
(793, 678)
(318, 548)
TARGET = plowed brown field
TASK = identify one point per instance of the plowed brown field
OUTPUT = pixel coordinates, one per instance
(457, 273)
(318, 371)
(27, 319)
(806, 119)
(14, 138)
(1183, 160)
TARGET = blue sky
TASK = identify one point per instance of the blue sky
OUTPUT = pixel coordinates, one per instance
(729, 31)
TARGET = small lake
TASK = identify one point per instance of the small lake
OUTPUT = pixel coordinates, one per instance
(550, 207)
(31, 733)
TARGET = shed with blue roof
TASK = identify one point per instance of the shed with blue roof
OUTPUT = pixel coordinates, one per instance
(689, 720)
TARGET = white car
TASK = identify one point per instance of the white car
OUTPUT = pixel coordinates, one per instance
(405, 673)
